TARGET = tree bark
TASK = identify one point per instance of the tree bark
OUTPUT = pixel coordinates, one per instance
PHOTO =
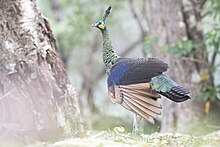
(37, 101)
(166, 21)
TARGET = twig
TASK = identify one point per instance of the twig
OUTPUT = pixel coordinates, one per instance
(136, 16)
(205, 14)
(192, 59)
(213, 126)
(99, 134)
(130, 47)
(202, 3)
(213, 58)
(212, 65)
(144, 8)
(7, 94)
(12, 125)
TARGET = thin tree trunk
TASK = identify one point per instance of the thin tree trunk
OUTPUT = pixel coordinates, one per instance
(166, 21)
(87, 89)
(36, 98)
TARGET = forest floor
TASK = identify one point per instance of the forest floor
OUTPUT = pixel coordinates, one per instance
(120, 139)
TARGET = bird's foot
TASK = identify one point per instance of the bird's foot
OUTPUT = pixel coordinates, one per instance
(136, 133)
(136, 130)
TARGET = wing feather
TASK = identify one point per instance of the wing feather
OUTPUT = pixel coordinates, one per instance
(132, 71)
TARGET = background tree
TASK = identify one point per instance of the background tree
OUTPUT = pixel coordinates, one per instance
(36, 99)
(177, 25)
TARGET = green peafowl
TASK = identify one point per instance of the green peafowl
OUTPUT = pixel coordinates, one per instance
(136, 84)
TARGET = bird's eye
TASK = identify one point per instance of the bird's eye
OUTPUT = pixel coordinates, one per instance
(99, 23)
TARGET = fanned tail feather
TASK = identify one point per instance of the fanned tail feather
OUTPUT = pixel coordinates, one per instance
(143, 98)
(138, 109)
(151, 110)
(142, 91)
(177, 94)
(139, 98)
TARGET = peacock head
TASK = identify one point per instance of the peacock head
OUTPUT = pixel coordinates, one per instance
(99, 24)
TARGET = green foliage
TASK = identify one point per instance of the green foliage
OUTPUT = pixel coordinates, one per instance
(106, 138)
(212, 38)
(119, 130)
(68, 127)
(210, 93)
(213, 7)
(212, 41)
(73, 23)
(181, 48)
(148, 42)
(187, 48)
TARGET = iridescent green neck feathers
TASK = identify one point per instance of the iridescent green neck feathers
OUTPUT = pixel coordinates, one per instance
(109, 55)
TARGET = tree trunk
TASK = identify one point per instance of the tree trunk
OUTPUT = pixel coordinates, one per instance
(167, 21)
(37, 101)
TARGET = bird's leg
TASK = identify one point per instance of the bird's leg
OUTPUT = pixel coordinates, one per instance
(136, 129)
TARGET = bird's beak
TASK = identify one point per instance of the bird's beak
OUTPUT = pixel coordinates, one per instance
(93, 25)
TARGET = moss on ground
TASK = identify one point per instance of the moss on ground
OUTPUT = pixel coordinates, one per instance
(118, 138)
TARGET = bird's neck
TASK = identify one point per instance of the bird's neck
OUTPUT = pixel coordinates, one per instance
(109, 55)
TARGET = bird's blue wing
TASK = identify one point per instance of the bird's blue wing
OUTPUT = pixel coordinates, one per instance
(133, 71)
(117, 73)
